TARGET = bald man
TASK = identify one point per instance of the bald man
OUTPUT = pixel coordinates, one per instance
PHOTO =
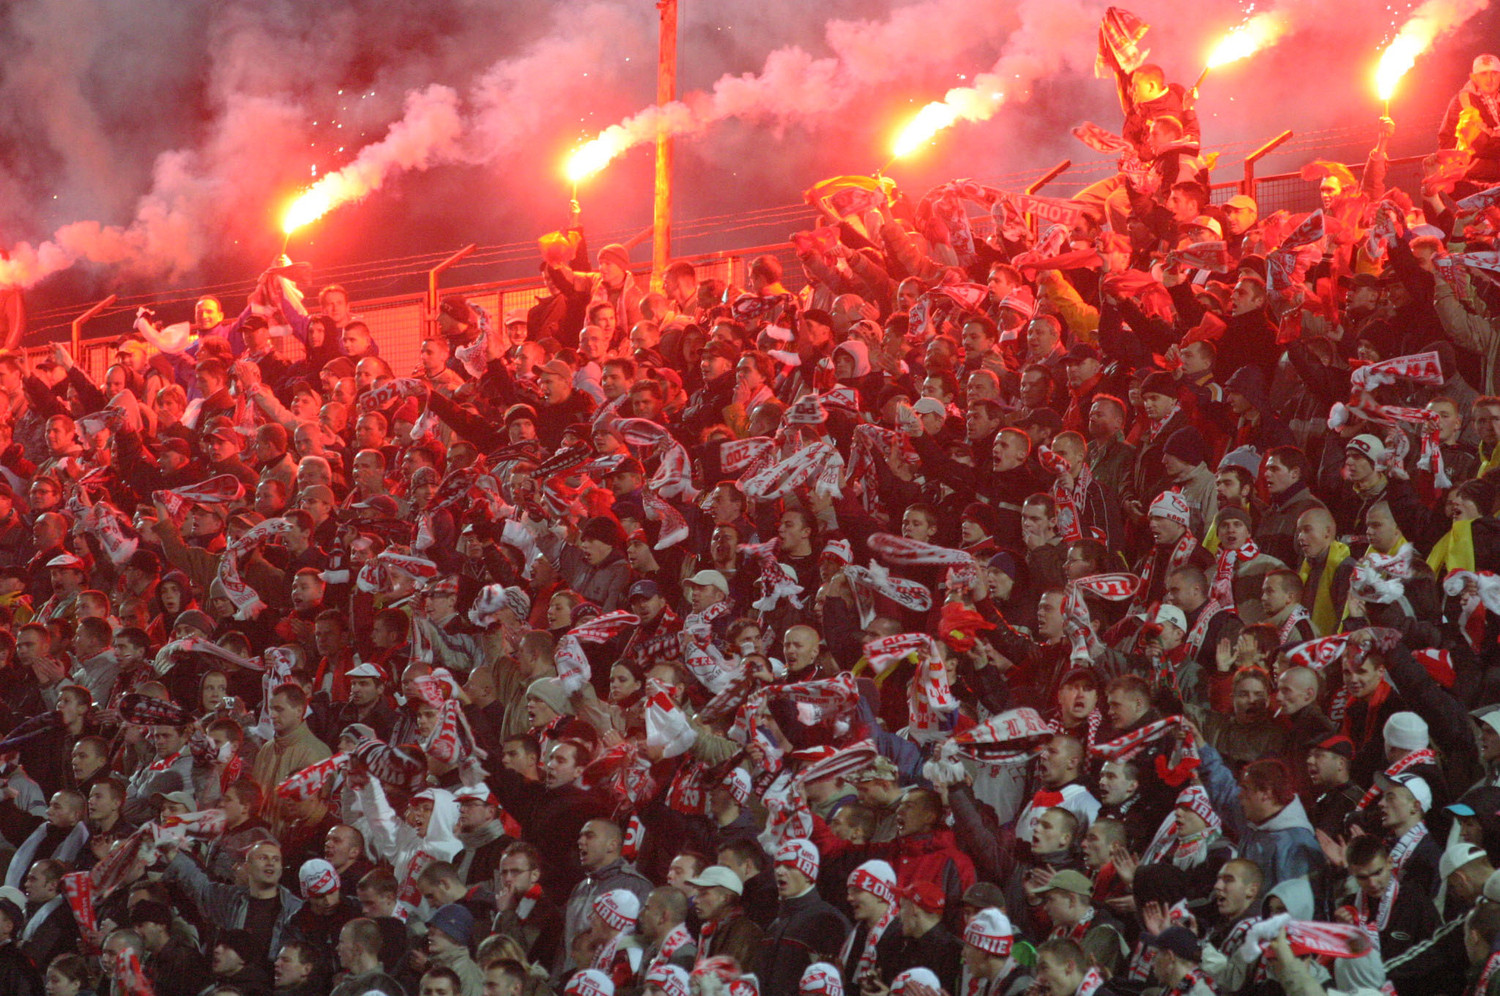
(1325, 569)
(1297, 691)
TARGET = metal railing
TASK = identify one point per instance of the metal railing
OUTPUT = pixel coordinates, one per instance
(397, 322)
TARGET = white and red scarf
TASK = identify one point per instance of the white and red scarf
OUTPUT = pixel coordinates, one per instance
(1199, 631)
(218, 490)
(247, 603)
(1084, 641)
(1186, 984)
(1094, 721)
(1406, 847)
(1229, 561)
(1296, 615)
(1182, 551)
(670, 945)
(1077, 931)
(867, 953)
(929, 695)
(1491, 964)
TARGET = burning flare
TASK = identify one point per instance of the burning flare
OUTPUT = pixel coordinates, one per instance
(1428, 22)
(312, 204)
(1261, 31)
(929, 121)
(1397, 59)
(593, 156)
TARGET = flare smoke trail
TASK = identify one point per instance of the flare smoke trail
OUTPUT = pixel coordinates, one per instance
(1428, 23)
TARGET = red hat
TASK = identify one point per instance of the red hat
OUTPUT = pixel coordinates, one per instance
(925, 895)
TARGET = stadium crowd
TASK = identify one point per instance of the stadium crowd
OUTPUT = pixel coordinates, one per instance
(1096, 597)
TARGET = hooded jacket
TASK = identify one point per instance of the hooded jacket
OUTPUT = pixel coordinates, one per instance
(398, 842)
(1284, 846)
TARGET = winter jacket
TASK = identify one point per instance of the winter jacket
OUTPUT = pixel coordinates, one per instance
(807, 929)
(1284, 846)
(603, 584)
(615, 875)
(1277, 533)
(227, 905)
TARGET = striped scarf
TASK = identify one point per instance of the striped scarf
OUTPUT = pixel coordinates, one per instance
(866, 965)
(1293, 617)
(1177, 558)
(670, 945)
(1229, 561)
(1483, 985)
(1077, 931)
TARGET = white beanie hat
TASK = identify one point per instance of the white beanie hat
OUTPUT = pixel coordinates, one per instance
(1406, 731)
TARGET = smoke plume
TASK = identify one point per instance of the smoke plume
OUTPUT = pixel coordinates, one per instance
(183, 130)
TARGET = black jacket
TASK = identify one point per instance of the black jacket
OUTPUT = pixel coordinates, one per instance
(807, 930)
(937, 949)
(18, 976)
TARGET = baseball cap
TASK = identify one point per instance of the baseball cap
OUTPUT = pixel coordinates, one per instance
(983, 895)
(644, 588)
(1069, 880)
(1336, 744)
(711, 578)
(1486, 63)
(718, 875)
(66, 561)
(1415, 784)
(1489, 716)
(1080, 352)
(1171, 614)
(1211, 224)
(368, 670)
(180, 798)
(924, 893)
(929, 406)
(515, 316)
(1178, 940)
(384, 504)
(1242, 202)
(1456, 856)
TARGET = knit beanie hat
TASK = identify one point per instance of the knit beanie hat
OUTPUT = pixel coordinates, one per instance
(455, 921)
(1187, 445)
(1171, 505)
(820, 979)
(589, 982)
(317, 878)
(1406, 731)
(605, 530)
(618, 908)
(990, 931)
(551, 692)
(801, 854)
(877, 878)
